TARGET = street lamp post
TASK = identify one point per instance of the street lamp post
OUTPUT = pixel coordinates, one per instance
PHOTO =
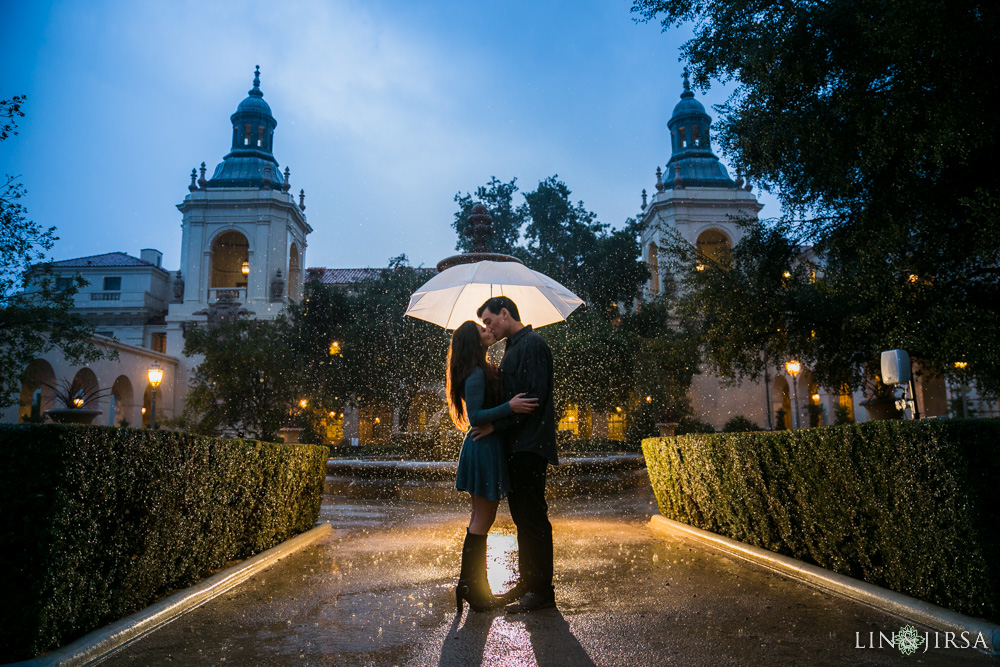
(793, 367)
(960, 366)
(155, 376)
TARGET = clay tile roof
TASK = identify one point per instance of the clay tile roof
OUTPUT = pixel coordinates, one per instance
(112, 259)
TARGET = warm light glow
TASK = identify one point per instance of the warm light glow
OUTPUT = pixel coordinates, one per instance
(378, 420)
(787, 274)
(649, 399)
(793, 367)
(78, 402)
(699, 266)
(304, 403)
(155, 374)
(144, 411)
(245, 268)
(333, 414)
(961, 364)
(501, 561)
(815, 398)
(914, 278)
(335, 347)
(618, 409)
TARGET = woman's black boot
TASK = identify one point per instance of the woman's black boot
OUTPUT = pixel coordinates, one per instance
(473, 586)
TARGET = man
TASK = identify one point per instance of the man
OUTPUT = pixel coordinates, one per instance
(530, 441)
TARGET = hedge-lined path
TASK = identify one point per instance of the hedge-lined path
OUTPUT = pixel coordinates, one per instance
(378, 592)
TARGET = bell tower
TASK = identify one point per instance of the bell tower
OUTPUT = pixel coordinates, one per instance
(694, 195)
(243, 233)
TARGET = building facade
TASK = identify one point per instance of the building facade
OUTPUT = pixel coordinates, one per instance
(243, 251)
(696, 201)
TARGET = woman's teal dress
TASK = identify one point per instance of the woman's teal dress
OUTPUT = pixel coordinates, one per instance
(482, 465)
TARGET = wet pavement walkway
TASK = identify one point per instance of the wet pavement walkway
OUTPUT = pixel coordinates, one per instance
(379, 591)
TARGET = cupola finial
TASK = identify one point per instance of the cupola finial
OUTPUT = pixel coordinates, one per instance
(255, 91)
(687, 85)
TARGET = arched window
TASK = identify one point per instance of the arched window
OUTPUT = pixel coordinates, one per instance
(229, 250)
(36, 392)
(654, 269)
(293, 272)
(714, 246)
(123, 397)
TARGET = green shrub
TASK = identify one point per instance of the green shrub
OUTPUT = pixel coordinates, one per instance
(98, 522)
(692, 425)
(910, 506)
(740, 424)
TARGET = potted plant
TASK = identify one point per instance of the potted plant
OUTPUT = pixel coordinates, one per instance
(74, 399)
(881, 402)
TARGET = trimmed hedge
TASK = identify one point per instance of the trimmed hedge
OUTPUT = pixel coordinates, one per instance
(99, 522)
(910, 506)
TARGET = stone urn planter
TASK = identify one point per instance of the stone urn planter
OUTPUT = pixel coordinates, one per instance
(667, 429)
(72, 415)
(881, 409)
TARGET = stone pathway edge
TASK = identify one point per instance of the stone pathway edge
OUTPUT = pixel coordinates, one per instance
(99, 643)
(905, 607)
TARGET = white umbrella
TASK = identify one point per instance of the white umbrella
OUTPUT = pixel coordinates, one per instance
(453, 296)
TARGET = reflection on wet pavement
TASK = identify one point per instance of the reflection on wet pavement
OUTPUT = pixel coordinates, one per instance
(380, 591)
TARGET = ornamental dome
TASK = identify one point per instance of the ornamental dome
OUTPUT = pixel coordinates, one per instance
(692, 162)
(250, 162)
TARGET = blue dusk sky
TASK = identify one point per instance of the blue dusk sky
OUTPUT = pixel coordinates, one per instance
(385, 110)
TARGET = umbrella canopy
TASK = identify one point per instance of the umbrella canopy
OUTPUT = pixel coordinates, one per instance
(453, 296)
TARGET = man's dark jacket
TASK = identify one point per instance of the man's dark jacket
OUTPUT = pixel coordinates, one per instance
(527, 368)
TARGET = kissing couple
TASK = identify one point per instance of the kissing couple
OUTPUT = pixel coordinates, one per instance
(511, 440)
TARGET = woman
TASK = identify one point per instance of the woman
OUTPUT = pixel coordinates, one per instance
(473, 388)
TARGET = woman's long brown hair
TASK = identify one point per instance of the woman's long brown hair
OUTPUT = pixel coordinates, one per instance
(465, 354)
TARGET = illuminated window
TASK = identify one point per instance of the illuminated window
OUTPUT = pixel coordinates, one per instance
(334, 427)
(846, 401)
(246, 135)
(616, 426)
(683, 137)
(571, 419)
(714, 246)
(260, 136)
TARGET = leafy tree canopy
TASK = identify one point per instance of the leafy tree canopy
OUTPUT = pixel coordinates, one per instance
(247, 382)
(561, 239)
(871, 121)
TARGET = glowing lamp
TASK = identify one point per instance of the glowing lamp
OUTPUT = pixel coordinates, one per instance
(78, 402)
(815, 398)
(960, 365)
(335, 347)
(245, 268)
(793, 367)
(303, 403)
(649, 399)
(155, 374)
